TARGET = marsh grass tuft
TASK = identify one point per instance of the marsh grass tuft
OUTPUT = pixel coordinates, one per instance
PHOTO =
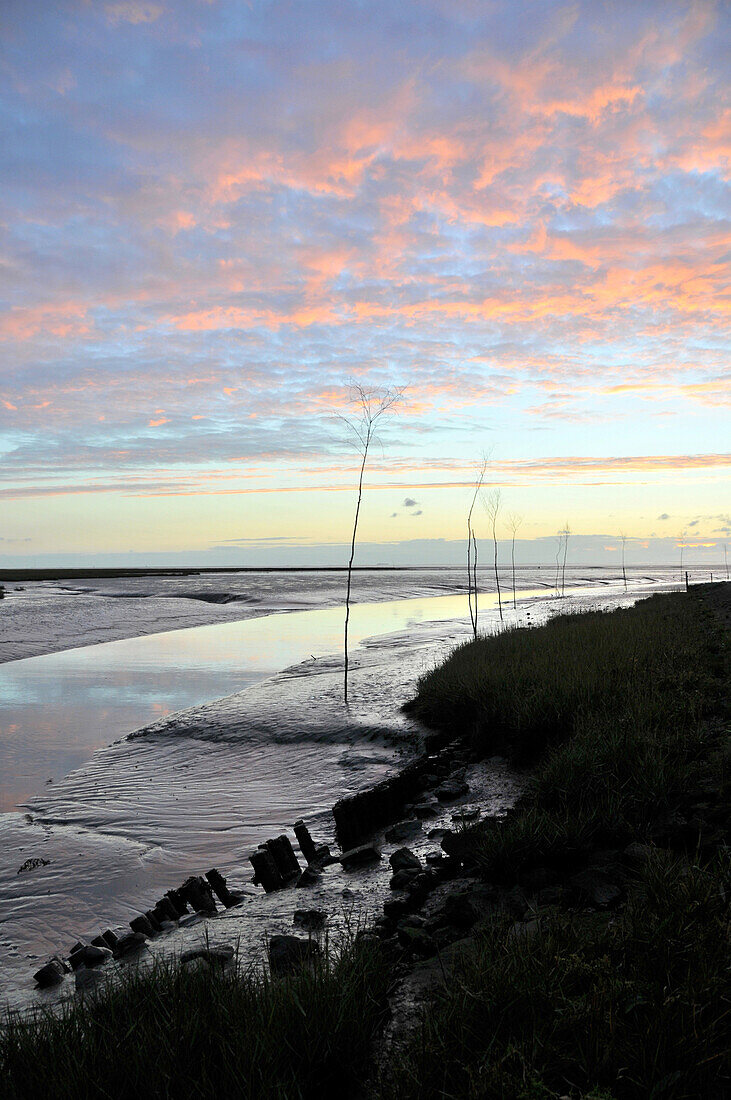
(170, 1032)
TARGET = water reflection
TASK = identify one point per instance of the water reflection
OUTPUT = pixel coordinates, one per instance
(56, 710)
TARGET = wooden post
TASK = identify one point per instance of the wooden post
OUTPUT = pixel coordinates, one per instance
(687, 586)
(218, 883)
(266, 871)
(305, 841)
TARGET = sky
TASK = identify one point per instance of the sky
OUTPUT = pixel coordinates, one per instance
(218, 217)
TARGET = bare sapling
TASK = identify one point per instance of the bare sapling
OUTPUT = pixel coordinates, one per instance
(623, 537)
(370, 407)
(492, 507)
(472, 549)
(514, 522)
(566, 535)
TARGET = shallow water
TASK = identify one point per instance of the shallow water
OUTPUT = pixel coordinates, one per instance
(203, 785)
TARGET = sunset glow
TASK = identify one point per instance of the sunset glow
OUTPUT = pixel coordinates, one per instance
(216, 215)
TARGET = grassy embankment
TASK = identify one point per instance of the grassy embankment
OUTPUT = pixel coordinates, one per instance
(623, 717)
(175, 1032)
(626, 714)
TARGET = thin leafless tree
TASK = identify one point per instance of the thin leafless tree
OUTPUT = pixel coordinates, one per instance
(492, 507)
(472, 547)
(566, 533)
(514, 522)
(562, 547)
(370, 406)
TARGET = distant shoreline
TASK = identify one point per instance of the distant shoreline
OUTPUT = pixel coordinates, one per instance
(109, 572)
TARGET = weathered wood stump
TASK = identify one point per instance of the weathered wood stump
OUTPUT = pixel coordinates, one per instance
(218, 884)
(283, 855)
(197, 892)
(266, 872)
(305, 841)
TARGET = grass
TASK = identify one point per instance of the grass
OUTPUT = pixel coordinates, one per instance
(587, 1006)
(524, 689)
(170, 1032)
(624, 715)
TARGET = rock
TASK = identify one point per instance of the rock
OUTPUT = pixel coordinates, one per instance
(168, 925)
(451, 789)
(287, 953)
(403, 831)
(403, 859)
(309, 919)
(465, 815)
(436, 834)
(219, 955)
(357, 857)
(596, 889)
(401, 879)
(423, 810)
(110, 939)
(459, 910)
(309, 877)
(346, 893)
(435, 859)
(89, 956)
(86, 979)
(524, 929)
(178, 902)
(129, 943)
(638, 854)
(416, 940)
(394, 909)
(51, 974)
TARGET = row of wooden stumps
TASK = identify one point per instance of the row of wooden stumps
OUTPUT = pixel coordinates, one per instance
(197, 892)
(276, 865)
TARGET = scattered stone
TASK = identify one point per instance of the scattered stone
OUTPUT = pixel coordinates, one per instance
(129, 943)
(347, 893)
(309, 877)
(638, 854)
(435, 859)
(309, 919)
(287, 953)
(404, 859)
(32, 864)
(219, 955)
(459, 910)
(423, 810)
(168, 925)
(403, 831)
(596, 889)
(402, 879)
(465, 815)
(417, 940)
(86, 979)
(436, 834)
(357, 857)
(51, 974)
(452, 789)
(394, 908)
